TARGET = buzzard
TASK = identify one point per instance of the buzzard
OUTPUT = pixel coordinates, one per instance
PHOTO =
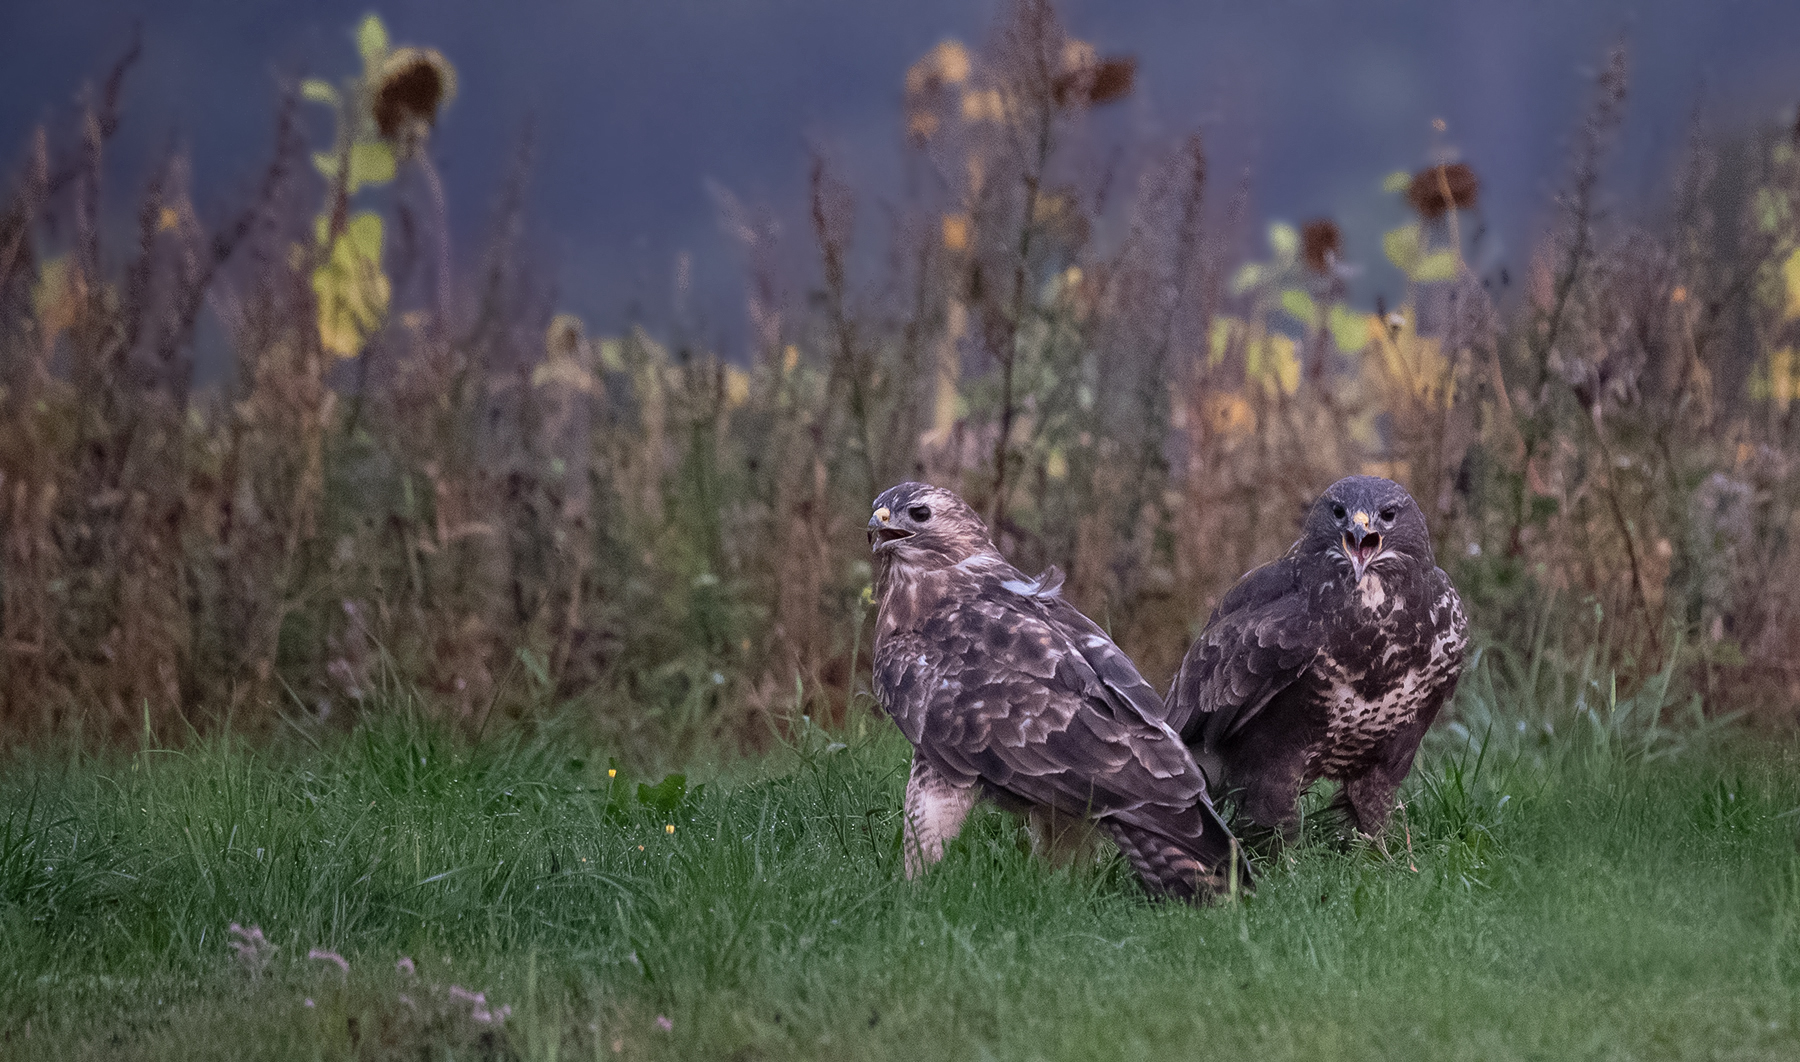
(1328, 663)
(1006, 690)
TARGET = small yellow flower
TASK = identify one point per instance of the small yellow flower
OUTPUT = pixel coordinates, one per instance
(670, 828)
(640, 848)
(612, 772)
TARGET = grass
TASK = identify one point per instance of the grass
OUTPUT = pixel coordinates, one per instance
(1545, 897)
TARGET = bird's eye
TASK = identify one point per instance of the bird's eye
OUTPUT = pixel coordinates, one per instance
(919, 513)
(1337, 511)
(1388, 514)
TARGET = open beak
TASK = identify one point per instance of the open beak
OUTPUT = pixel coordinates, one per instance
(882, 531)
(1361, 547)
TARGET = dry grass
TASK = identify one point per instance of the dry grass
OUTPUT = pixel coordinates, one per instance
(417, 474)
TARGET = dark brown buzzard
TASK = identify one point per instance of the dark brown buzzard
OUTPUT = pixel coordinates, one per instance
(1006, 690)
(1328, 663)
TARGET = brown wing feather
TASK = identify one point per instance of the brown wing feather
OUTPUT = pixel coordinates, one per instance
(1002, 687)
(1260, 640)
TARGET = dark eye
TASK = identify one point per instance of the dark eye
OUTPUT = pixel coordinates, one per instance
(1389, 513)
(1337, 511)
(919, 513)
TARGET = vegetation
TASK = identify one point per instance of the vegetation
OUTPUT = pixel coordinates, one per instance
(1596, 884)
(337, 680)
(413, 467)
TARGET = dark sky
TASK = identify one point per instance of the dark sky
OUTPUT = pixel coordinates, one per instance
(639, 105)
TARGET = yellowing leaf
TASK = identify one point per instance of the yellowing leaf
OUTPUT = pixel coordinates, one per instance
(372, 40)
(1299, 305)
(1284, 240)
(1246, 278)
(1274, 363)
(351, 289)
(737, 386)
(1436, 266)
(1396, 181)
(1790, 276)
(371, 162)
(319, 91)
(1403, 246)
(956, 232)
(1220, 340)
(1349, 329)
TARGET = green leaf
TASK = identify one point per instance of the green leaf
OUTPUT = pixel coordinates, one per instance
(371, 162)
(327, 165)
(1284, 240)
(319, 91)
(363, 234)
(372, 40)
(1403, 246)
(1436, 266)
(1349, 329)
(666, 795)
(1246, 278)
(1299, 305)
(1396, 181)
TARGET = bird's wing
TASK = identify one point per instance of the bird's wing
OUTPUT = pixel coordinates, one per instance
(1260, 640)
(1125, 689)
(999, 688)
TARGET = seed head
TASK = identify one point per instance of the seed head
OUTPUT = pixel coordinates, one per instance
(414, 83)
(1428, 189)
(1321, 244)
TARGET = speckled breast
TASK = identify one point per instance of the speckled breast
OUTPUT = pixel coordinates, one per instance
(1378, 673)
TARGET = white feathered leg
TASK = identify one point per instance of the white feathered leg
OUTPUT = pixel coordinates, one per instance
(935, 810)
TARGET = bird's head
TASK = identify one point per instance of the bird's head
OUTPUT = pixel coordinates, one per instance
(1367, 520)
(917, 524)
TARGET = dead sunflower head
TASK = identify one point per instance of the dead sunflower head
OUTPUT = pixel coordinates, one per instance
(412, 86)
(1437, 190)
(1321, 245)
(1098, 83)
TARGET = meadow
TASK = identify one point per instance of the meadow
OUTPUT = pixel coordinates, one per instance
(1607, 881)
(394, 665)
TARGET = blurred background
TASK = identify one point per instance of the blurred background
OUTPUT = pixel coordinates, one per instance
(543, 359)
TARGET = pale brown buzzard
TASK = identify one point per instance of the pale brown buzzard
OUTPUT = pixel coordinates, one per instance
(1005, 689)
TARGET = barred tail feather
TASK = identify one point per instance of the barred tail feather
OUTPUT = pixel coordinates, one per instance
(1187, 854)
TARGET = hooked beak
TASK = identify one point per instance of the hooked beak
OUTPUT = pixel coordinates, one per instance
(1361, 546)
(882, 532)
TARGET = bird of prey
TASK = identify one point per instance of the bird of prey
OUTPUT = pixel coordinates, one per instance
(1006, 690)
(1328, 663)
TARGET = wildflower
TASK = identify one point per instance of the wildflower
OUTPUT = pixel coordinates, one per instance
(1428, 188)
(405, 966)
(254, 951)
(332, 957)
(412, 85)
(664, 1024)
(612, 772)
(1321, 245)
(670, 828)
(309, 1002)
(478, 1005)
